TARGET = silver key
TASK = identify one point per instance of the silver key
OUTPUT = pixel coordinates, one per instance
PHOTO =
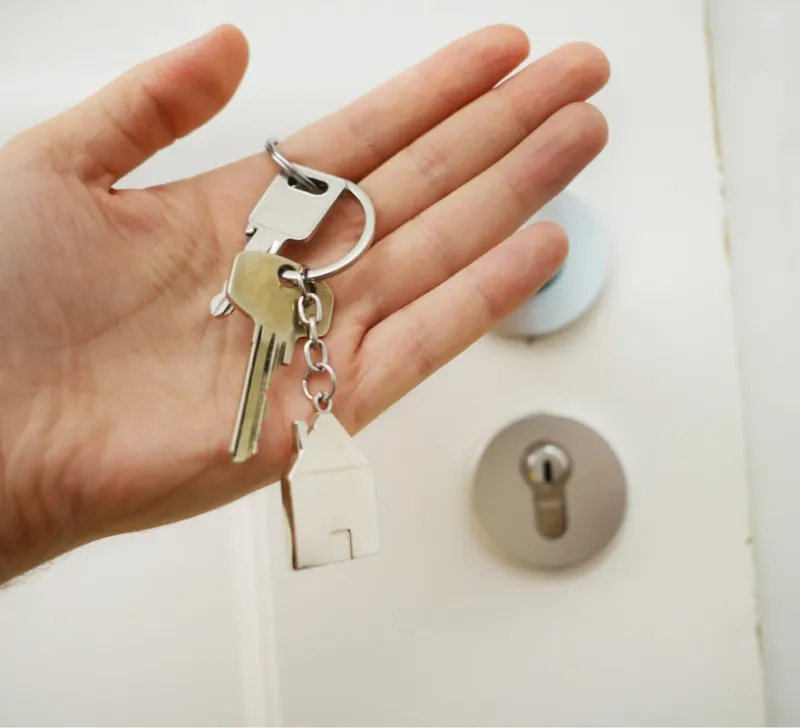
(285, 212)
(255, 288)
(329, 496)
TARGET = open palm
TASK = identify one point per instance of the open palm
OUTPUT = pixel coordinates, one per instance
(119, 390)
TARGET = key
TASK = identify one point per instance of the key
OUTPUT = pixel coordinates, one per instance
(329, 496)
(256, 288)
(285, 212)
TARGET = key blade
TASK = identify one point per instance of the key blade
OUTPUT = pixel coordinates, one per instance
(256, 289)
(264, 356)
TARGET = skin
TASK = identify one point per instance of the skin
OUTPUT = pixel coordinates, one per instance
(119, 390)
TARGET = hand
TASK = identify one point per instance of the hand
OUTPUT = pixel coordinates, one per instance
(119, 390)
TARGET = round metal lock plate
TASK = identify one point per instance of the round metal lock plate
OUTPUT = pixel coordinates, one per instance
(549, 492)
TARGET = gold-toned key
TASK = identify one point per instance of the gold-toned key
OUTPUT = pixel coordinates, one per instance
(256, 288)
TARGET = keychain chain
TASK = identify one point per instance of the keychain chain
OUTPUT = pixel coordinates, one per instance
(309, 310)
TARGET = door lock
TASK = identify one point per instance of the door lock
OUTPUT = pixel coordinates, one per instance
(549, 492)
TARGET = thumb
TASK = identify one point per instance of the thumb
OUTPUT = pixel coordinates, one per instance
(147, 108)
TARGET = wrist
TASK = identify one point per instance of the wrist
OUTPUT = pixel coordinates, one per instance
(11, 544)
(24, 542)
(8, 569)
(26, 517)
(17, 547)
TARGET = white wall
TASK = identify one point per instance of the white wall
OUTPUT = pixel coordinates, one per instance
(756, 57)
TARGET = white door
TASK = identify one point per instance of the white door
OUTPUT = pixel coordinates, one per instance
(204, 623)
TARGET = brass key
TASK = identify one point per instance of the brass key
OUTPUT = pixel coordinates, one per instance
(256, 288)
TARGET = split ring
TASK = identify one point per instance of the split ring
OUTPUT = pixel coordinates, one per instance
(289, 168)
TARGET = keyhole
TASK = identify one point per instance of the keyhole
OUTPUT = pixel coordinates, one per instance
(546, 467)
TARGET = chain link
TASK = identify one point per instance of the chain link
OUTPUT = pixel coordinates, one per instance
(309, 310)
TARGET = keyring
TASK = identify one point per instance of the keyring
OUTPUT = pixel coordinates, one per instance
(289, 169)
(363, 243)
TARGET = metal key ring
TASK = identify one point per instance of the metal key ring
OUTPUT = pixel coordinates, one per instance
(361, 246)
(289, 169)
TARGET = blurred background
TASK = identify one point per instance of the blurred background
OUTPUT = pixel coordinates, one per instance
(685, 361)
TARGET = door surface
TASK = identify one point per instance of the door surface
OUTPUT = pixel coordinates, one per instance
(204, 622)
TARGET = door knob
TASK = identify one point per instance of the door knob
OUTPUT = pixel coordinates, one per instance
(576, 286)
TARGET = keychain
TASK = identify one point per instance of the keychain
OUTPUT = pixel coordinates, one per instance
(328, 490)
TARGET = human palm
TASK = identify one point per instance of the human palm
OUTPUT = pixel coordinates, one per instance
(119, 390)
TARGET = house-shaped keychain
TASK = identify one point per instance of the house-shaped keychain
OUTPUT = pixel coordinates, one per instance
(329, 496)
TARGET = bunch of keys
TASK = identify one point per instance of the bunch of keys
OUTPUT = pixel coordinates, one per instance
(328, 491)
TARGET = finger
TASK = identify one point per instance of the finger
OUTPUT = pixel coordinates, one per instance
(146, 109)
(475, 137)
(435, 328)
(450, 235)
(464, 145)
(355, 140)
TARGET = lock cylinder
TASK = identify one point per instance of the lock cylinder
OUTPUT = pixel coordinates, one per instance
(549, 492)
(546, 467)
